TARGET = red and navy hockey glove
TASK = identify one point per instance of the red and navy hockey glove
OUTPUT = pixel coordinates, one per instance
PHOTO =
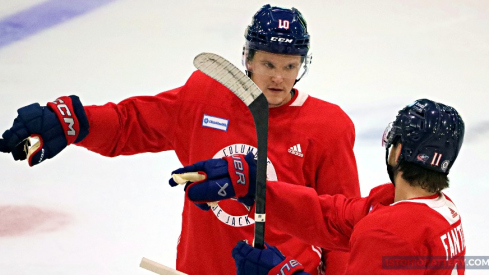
(57, 125)
(229, 177)
(268, 261)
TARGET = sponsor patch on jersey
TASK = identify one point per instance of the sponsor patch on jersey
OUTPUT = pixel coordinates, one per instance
(215, 122)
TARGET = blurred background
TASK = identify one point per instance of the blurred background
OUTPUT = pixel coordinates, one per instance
(81, 213)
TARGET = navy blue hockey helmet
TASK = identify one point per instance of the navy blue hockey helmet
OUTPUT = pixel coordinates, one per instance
(278, 30)
(431, 134)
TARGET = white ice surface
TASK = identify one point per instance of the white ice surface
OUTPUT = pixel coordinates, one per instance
(82, 213)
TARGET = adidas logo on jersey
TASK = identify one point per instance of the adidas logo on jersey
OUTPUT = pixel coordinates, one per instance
(454, 214)
(296, 150)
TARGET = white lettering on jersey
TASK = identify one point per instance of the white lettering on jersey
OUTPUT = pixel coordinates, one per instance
(219, 209)
(234, 221)
(453, 241)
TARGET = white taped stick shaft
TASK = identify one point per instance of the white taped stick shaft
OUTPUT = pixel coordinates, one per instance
(186, 177)
(260, 217)
(159, 268)
(191, 177)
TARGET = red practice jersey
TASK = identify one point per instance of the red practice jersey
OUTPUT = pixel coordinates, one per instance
(417, 236)
(310, 143)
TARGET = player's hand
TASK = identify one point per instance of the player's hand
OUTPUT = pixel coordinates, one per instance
(254, 261)
(229, 177)
(56, 125)
(383, 194)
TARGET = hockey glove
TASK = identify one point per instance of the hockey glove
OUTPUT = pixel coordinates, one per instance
(56, 125)
(268, 261)
(229, 177)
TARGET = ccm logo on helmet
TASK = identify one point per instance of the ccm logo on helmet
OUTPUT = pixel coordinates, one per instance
(67, 116)
(280, 39)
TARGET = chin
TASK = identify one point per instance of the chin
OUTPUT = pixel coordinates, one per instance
(274, 100)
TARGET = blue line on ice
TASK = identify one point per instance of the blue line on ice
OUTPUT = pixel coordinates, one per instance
(43, 16)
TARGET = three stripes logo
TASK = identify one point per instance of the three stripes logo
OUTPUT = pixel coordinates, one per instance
(296, 150)
(454, 214)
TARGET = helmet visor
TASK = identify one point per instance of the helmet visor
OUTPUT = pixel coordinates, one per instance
(390, 134)
(275, 65)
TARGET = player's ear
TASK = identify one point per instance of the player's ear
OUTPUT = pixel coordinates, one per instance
(249, 65)
(398, 152)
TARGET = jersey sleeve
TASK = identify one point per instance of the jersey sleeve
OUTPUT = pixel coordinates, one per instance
(337, 169)
(325, 221)
(135, 125)
(337, 174)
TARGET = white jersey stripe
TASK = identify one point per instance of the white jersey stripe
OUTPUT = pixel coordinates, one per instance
(441, 205)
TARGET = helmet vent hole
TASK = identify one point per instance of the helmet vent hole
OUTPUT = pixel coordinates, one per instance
(420, 113)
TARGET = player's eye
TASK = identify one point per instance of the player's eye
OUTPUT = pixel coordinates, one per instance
(291, 67)
(268, 65)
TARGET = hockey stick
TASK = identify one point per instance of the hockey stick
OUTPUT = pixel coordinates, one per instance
(185, 178)
(158, 268)
(243, 87)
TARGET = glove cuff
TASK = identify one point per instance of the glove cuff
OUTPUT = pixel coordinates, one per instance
(287, 267)
(72, 117)
(82, 118)
(239, 174)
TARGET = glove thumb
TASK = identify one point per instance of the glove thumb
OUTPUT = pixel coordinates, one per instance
(36, 153)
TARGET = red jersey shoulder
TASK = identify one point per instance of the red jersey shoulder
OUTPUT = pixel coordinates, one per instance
(200, 88)
(325, 118)
(415, 222)
(325, 109)
(415, 217)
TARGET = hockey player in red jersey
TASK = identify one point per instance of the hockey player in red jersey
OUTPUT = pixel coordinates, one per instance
(407, 227)
(201, 120)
